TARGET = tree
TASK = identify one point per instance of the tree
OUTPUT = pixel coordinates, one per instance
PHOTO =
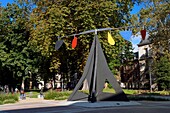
(28, 35)
(162, 72)
(16, 58)
(51, 19)
(155, 18)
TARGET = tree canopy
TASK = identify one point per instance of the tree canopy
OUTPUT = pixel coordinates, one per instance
(162, 71)
(30, 28)
(16, 58)
(155, 18)
(52, 19)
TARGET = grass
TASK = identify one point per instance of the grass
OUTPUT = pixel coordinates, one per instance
(1, 102)
(54, 95)
(158, 93)
(132, 94)
(9, 101)
(64, 97)
(32, 94)
(109, 90)
(128, 92)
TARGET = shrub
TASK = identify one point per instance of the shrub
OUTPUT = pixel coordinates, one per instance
(1, 102)
(1, 97)
(130, 92)
(61, 98)
(7, 101)
(165, 93)
(162, 71)
(53, 95)
(149, 98)
(11, 96)
(50, 95)
(8, 98)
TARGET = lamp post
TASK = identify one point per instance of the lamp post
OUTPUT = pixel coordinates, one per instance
(150, 78)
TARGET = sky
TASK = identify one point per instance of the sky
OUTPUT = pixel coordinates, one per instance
(135, 40)
(4, 2)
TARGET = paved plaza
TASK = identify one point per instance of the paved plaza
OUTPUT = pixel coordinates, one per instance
(50, 106)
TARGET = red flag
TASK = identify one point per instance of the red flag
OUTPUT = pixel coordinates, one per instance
(74, 42)
(143, 34)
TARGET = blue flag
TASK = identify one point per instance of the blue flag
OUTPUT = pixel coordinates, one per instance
(126, 34)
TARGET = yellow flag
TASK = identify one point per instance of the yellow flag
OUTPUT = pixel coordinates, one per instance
(110, 39)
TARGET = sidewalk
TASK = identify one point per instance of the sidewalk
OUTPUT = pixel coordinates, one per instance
(41, 103)
(31, 103)
(30, 100)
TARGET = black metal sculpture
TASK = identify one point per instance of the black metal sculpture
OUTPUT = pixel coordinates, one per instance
(96, 72)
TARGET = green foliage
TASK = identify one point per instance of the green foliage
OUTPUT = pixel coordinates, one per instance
(61, 97)
(17, 58)
(162, 72)
(126, 91)
(51, 19)
(163, 93)
(28, 35)
(8, 98)
(130, 92)
(1, 102)
(53, 95)
(109, 90)
(155, 17)
(7, 101)
(148, 98)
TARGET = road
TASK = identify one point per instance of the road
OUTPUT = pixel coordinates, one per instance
(42, 106)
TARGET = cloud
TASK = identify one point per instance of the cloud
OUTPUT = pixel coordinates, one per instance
(135, 39)
(135, 48)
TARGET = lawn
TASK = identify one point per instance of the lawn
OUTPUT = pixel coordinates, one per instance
(132, 94)
(55, 95)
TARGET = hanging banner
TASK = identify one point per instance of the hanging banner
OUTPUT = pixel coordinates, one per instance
(110, 39)
(126, 34)
(74, 42)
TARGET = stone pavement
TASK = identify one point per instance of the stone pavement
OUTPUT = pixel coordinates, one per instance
(80, 103)
(39, 103)
(30, 100)
(36, 105)
(30, 103)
